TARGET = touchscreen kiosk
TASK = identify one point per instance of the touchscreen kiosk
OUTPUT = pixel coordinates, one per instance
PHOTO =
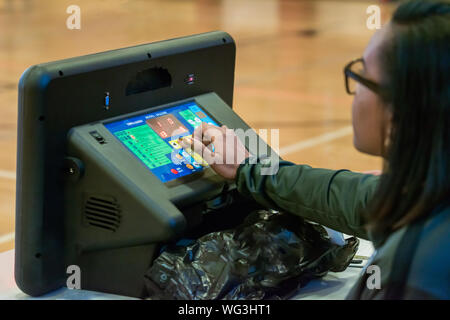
(102, 183)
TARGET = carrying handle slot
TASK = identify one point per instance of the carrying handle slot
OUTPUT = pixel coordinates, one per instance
(149, 80)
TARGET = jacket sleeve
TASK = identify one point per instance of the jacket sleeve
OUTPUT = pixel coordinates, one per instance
(335, 199)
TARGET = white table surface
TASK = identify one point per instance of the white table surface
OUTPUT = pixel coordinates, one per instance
(334, 286)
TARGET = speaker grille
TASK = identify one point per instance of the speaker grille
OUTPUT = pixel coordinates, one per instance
(102, 212)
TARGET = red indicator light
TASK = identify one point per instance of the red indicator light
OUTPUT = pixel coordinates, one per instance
(174, 171)
(190, 78)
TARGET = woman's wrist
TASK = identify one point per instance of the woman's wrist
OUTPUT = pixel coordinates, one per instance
(251, 159)
(239, 167)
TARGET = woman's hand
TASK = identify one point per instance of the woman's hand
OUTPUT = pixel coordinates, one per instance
(219, 147)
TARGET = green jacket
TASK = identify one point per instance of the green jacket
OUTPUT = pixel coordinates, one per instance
(337, 199)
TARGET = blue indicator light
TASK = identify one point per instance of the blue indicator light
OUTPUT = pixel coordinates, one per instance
(106, 100)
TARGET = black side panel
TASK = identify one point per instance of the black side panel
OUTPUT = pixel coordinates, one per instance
(126, 262)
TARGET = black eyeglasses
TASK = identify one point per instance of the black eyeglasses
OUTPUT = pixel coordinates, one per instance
(351, 74)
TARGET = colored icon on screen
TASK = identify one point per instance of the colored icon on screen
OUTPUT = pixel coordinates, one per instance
(175, 144)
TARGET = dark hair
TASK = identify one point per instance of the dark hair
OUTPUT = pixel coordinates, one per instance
(416, 65)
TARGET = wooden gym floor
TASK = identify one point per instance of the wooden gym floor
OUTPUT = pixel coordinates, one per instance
(290, 56)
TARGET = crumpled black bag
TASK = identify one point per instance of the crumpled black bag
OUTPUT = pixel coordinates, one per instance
(269, 256)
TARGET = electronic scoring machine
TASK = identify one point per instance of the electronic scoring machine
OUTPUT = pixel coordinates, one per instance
(102, 182)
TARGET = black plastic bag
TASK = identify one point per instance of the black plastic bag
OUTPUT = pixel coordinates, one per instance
(269, 256)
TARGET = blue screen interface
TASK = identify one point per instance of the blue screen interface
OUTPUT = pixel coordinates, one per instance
(152, 138)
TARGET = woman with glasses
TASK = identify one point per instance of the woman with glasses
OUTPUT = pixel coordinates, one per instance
(400, 112)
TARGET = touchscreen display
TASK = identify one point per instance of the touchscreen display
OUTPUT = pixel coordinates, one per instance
(152, 138)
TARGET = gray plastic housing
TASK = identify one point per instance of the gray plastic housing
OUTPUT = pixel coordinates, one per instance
(114, 203)
(57, 96)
